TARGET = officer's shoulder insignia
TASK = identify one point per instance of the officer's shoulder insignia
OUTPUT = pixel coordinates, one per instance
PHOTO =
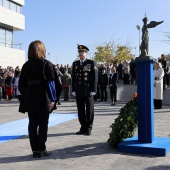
(90, 59)
(76, 62)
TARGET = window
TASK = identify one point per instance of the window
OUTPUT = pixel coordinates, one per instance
(13, 6)
(2, 37)
(6, 38)
(19, 9)
(9, 38)
(1, 2)
(6, 4)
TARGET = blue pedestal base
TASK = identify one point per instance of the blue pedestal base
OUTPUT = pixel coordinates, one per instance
(159, 147)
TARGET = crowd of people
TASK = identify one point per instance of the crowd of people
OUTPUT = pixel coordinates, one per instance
(125, 74)
(9, 82)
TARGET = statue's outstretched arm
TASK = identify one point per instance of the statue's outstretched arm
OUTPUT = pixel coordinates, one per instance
(153, 24)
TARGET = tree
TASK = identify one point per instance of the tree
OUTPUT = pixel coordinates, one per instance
(122, 53)
(104, 53)
(109, 52)
(168, 57)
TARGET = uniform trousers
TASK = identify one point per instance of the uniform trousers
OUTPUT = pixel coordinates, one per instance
(37, 128)
(157, 104)
(0, 93)
(113, 94)
(85, 106)
(126, 79)
(66, 93)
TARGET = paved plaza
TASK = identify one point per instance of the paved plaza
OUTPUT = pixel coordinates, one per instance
(79, 152)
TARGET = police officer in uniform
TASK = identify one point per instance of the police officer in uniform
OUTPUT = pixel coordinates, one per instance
(66, 82)
(84, 86)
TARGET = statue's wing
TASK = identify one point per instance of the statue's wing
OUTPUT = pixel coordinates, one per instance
(153, 24)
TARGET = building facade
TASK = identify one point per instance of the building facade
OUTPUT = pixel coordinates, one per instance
(11, 19)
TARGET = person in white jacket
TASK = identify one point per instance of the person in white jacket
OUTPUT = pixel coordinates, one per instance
(158, 86)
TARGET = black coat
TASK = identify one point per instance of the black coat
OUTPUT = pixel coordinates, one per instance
(103, 80)
(33, 80)
(113, 80)
(84, 78)
(9, 82)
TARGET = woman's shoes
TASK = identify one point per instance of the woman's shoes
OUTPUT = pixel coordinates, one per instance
(43, 153)
(34, 154)
(113, 104)
(38, 154)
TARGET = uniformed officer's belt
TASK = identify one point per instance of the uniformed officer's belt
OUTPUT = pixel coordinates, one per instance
(34, 82)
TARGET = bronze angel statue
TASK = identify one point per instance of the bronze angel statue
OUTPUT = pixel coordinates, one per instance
(144, 47)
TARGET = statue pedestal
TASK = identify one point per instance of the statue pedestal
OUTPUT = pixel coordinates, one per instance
(145, 143)
(159, 147)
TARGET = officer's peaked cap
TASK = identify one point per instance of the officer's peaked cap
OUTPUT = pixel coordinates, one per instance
(82, 48)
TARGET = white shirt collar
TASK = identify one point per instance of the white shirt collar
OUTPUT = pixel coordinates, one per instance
(82, 60)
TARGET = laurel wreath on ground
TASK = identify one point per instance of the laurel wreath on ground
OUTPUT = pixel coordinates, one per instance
(125, 124)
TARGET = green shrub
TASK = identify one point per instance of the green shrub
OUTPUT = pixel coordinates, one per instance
(125, 124)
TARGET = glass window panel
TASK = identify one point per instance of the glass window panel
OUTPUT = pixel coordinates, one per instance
(13, 6)
(9, 35)
(2, 37)
(6, 4)
(1, 3)
(9, 38)
(8, 44)
(19, 9)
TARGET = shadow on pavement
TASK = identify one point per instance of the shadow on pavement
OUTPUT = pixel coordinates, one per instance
(66, 153)
(162, 167)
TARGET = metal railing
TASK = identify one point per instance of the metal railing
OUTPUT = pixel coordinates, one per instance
(11, 45)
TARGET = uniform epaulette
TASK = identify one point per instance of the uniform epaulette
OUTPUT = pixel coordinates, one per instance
(76, 61)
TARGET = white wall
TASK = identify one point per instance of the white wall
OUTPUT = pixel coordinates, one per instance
(12, 19)
(125, 93)
(11, 57)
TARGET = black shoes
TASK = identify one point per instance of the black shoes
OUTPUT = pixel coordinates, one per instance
(87, 133)
(43, 153)
(38, 154)
(34, 154)
(80, 132)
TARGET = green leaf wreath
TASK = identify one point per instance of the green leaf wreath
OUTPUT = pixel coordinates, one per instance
(125, 124)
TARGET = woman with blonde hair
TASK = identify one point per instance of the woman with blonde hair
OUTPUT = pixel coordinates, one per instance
(113, 79)
(158, 86)
(38, 95)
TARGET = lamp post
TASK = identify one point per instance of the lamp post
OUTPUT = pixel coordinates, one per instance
(138, 27)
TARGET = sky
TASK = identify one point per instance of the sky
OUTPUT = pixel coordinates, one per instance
(62, 24)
